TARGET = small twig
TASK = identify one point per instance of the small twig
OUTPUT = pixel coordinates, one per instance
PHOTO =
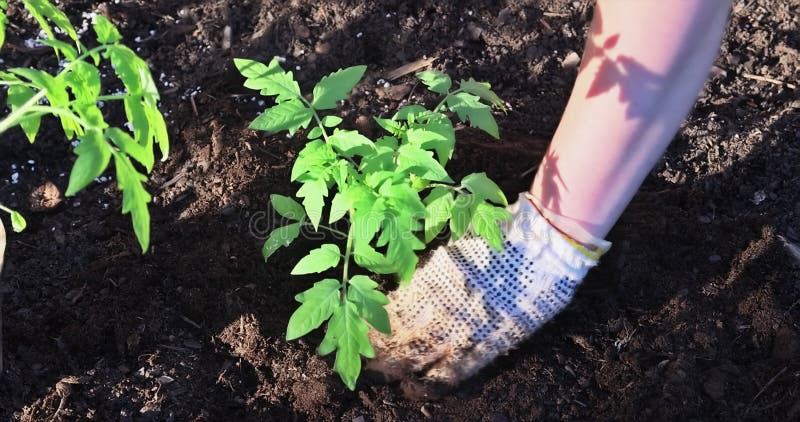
(190, 322)
(768, 79)
(772, 380)
(194, 106)
(556, 14)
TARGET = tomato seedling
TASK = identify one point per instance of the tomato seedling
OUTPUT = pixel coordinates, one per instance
(74, 95)
(394, 192)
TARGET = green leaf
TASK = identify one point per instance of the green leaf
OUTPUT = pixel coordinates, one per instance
(369, 302)
(280, 237)
(3, 23)
(134, 74)
(318, 304)
(420, 162)
(18, 222)
(56, 94)
(331, 121)
(367, 257)
(392, 126)
(105, 30)
(347, 335)
(339, 206)
(486, 223)
(289, 115)
(318, 260)
(469, 109)
(438, 208)
(43, 11)
(401, 254)
(67, 50)
(134, 197)
(350, 143)
(313, 192)
(462, 211)
(314, 156)
(287, 207)
(84, 82)
(484, 188)
(314, 133)
(336, 87)
(410, 112)
(126, 144)
(270, 79)
(483, 90)
(439, 136)
(93, 156)
(17, 96)
(437, 82)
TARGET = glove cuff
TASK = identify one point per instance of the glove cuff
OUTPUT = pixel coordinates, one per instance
(530, 226)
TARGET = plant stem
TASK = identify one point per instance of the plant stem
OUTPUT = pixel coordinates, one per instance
(449, 94)
(13, 118)
(112, 97)
(316, 118)
(6, 209)
(62, 111)
(332, 230)
(347, 250)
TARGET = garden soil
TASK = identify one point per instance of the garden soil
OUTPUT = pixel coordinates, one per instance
(693, 314)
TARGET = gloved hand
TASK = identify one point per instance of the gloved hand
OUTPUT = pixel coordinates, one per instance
(469, 303)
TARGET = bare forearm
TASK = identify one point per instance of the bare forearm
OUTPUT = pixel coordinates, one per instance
(644, 64)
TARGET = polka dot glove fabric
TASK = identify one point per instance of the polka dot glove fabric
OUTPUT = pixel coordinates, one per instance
(469, 303)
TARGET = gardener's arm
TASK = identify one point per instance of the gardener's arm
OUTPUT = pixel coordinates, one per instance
(644, 64)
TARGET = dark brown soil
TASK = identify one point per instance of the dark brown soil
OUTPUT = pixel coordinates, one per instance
(694, 314)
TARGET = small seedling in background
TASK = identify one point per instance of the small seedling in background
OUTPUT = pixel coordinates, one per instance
(393, 191)
(73, 95)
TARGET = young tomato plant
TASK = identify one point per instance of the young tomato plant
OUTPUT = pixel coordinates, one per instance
(394, 194)
(74, 95)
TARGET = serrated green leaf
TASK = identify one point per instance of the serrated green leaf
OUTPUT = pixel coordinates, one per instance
(314, 133)
(401, 253)
(84, 82)
(287, 207)
(315, 155)
(18, 223)
(339, 206)
(318, 260)
(331, 121)
(482, 90)
(270, 79)
(17, 96)
(438, 208)
(318, 304)
(484, 188)
(347, 335)
(280, 237)
(134, 197)
(412, 158)
(94, 154)
(369, 302)
(289, 115)
(392, 126)
(336, 87)
(105, 30)
(410, 112)
(56, 94)
(368, 258)
(3, 23)
(67, 50)
(126, 144)
(462, 211)
(437, 82)
(313, 192)
(469, 109)
(439, 136)
(134, 74)
(42, 11)
(350, 143)
(402, 197)
(486, 223)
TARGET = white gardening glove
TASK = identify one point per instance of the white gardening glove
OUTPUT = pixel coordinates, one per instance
(469, 303)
